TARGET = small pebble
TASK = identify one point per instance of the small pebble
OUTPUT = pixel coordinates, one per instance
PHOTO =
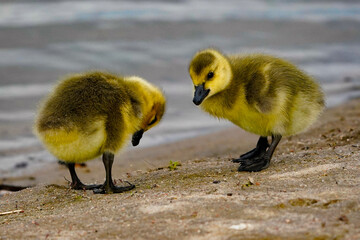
(21, 165)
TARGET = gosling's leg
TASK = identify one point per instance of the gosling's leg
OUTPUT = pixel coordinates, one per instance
(260, 149)
(108, 186)
(76, 183)
(261, 162)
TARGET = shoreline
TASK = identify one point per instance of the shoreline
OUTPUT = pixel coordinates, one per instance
(141, 159)
(229, 142)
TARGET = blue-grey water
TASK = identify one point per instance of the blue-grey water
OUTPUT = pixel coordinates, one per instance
(42, 40)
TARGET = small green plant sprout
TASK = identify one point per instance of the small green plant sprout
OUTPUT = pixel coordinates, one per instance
(78, 197)
(173, 165)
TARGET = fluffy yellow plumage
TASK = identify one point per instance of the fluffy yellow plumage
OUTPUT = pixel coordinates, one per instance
(262, 94)
(94, 113)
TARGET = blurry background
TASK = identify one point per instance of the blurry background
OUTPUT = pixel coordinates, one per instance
(40, 41)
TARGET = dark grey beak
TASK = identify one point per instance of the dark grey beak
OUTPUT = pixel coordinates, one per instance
(200, 94)
(136, 137)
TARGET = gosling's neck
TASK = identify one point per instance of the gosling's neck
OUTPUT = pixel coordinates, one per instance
(143, 100)
(221, 103)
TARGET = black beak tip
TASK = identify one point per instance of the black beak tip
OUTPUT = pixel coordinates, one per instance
(200, 94)
(135, 142)
(196, 102)
(137, 137)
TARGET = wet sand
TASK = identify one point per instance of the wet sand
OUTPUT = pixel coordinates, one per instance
(310, 191)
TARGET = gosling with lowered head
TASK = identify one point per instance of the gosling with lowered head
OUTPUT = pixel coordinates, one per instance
(262, 94)
(90, 114)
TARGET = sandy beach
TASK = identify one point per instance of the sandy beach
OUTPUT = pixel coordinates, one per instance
(310, 191)
(41, 41)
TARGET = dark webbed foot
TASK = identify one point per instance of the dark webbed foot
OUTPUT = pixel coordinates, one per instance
(261, 160)
(113, 189)
(254, 165)
(244, 156)
(108, 186)
(260, 149)
(248, 155)
(76, 183)
(81, 186)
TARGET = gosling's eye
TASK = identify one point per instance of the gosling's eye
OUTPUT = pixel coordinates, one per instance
(210, 75)
(153, 121)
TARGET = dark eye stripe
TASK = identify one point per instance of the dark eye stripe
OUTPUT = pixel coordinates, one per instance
(153, 121)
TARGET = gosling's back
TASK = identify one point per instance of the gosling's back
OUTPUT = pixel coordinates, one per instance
(87, 114)
(267, 96)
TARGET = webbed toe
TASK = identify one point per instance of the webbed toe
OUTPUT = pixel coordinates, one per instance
(254, 165)
(113, 189)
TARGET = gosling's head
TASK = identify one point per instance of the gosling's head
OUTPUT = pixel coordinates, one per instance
(210, 72)
(153, 108)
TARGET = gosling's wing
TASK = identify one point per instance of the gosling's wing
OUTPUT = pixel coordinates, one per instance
(252, 73)
(271, 83)
(259, 92)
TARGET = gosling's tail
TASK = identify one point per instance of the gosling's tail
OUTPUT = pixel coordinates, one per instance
(75, 145)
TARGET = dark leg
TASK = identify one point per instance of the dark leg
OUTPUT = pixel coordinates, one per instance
(76, 183)
(260, 149)
(261, 162)
(109, 187)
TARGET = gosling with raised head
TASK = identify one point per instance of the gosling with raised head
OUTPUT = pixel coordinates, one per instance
(94, 113)
(262, 94)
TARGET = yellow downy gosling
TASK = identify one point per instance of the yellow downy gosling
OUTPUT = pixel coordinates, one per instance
(262, 94)
(93, 114)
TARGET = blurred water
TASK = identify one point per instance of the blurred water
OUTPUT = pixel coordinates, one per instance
(64, 37)
(36, 13)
